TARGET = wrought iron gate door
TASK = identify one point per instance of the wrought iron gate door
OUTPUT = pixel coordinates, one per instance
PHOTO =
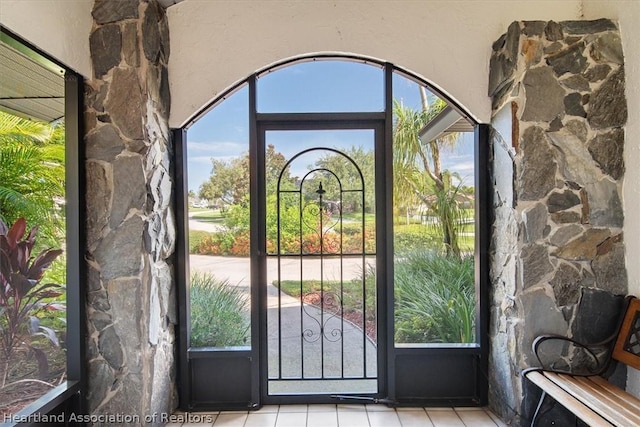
(320, 263)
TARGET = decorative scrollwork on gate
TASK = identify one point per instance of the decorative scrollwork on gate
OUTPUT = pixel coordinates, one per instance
(323, 309)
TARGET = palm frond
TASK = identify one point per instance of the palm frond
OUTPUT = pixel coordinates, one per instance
(418, 173)
(17, 127)
(32, 173)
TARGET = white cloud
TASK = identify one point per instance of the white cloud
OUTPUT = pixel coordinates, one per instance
(200, 159)
(229, 148)
(463, 166)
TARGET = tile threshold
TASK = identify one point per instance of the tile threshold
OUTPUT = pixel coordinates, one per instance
(339, 415)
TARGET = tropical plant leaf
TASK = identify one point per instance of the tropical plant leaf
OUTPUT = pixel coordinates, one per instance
(17, 127)
(32, 173)
(16, 232)
(50, 334)
(34, 325)
(20, 284)
(42, 262)
(56, 307)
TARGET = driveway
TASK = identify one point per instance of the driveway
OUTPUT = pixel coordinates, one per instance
(237, 269)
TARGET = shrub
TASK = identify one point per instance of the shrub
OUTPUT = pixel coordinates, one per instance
(352, 241)
(407, 238)
(435, 298)
(195, 238)
(240, 246)
(329, 243)
(238, 218)
(218, 243)
(351, 228)
(23, 298)
(218, 313)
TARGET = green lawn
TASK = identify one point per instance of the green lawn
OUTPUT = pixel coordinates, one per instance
(206, 215)
(369, 218)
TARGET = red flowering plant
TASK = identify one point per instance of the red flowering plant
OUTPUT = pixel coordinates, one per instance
(23, 297)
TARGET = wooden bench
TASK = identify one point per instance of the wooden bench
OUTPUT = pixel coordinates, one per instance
(589, 396)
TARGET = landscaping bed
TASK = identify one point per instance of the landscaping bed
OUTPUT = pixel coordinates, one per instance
(351, 307)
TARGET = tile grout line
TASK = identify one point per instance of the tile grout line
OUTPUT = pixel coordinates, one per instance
(429, 416)
(459, 417)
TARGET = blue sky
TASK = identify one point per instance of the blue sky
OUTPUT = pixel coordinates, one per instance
(319, 86)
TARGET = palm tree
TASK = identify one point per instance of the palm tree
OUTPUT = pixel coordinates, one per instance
(32, 173)
(418, 174)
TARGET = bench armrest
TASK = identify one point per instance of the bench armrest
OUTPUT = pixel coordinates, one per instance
(588, 349)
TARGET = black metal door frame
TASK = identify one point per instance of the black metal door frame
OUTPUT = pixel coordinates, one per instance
(314, 121)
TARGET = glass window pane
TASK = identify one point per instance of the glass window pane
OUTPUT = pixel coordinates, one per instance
(219, 232)
(434, 224)
(322, 86)
(32, 195)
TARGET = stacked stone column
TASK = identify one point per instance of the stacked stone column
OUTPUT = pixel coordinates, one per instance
(559, 112)
(131, 305)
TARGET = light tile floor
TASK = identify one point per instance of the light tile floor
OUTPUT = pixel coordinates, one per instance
(341, 416)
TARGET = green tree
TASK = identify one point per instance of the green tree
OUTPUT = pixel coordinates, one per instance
(349, 178)
(229, 180)
(275, 168)
(418, 173)
(32, 174)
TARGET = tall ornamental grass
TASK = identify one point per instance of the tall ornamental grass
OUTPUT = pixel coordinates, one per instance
(435, 298)
(218, 317)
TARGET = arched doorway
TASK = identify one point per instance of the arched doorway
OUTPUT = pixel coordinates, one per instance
(329, 319)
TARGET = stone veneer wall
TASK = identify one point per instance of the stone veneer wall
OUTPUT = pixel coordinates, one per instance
(557, 142)
(131, 306)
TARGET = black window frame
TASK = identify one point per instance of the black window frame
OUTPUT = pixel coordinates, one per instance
(68, 397)
(475, 355)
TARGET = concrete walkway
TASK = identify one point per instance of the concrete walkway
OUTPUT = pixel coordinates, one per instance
(311, 343)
